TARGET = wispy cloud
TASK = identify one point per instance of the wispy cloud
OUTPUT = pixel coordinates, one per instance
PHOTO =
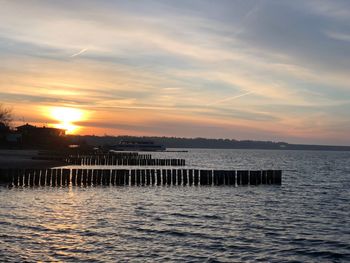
(230, 98)
(79, 53)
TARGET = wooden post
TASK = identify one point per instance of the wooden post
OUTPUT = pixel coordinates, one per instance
(163, 177)
(168, 177)
(258, 177)
(216, 177)
(159, 176)
(179, 177)
(21, 177)
(252, 177)
(264, 177)
(190, 177)
(133, 177)
(231, 177)
(53, 177)
(184, 177)
(269, 177)
(153, 177)
(94, 177)
(148, 177)
(126, 177)
(244, 177)
(203, 177)
(174, 176)
(15, 177)
(66, 175)
(48, 177)
(74, 177)
(138, 177)
(143, 177)
(79, 175)
(106, 177)
(90, 175)
(113, 177)
(277, 177)
(85, 177)
(196, 177)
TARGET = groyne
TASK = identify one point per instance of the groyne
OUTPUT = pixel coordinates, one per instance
(138, 177)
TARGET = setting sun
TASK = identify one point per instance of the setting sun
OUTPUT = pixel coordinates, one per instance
(67, 117)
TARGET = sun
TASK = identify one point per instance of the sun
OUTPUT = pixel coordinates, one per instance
(67, 117)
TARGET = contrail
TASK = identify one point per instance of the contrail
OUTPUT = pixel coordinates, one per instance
(231, 98)
(79, 53)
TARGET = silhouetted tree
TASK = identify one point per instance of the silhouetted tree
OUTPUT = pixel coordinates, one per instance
(5, 115)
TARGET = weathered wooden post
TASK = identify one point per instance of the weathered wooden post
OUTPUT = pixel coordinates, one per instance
(264, 177)
(190, 177)
(113, 177)
(107, 177)
(34, 177)
(126, 177)
(85, 177)
(216, 177)
(133, 177)
(43, 180)
(179, 177)
(163, 177)
(148, 177)
(74, 177)
(66, 175)
(277, 177)
(184, 177)
(232, 177)
(15, 176)
(168, 177)
(138, 177)
(48, 177)
(243, 176)
(174, 176)
(195, 177)
(252, 177)
(258, 177)
(79, 175)
(269, 176)
(203, 177)
(94, 177)
(153, 177)
(143, 177)
(159, 176)
(210, 177)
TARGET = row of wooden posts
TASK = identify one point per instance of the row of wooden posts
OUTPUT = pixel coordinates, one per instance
(119, 155)
(139, 177)
(113, 160)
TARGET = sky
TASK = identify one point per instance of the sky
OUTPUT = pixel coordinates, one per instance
(252, 69)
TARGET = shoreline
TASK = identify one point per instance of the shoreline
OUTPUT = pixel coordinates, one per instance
(24, 159)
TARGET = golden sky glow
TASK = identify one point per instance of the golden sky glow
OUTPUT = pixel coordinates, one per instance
(262, 70)
(66, 118)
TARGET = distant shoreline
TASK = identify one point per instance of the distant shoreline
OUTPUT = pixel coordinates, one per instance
(203, 143)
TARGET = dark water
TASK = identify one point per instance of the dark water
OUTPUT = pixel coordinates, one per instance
(307, 219)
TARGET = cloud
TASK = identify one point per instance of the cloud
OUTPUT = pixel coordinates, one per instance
(79, 53)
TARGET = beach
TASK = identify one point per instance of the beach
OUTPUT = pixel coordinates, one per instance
(24, 159)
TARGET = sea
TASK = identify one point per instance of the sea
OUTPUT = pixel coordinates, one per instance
(306, 219)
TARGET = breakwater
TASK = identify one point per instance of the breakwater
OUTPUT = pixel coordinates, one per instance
(138, 177)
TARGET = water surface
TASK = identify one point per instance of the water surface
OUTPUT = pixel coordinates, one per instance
(306, 219)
